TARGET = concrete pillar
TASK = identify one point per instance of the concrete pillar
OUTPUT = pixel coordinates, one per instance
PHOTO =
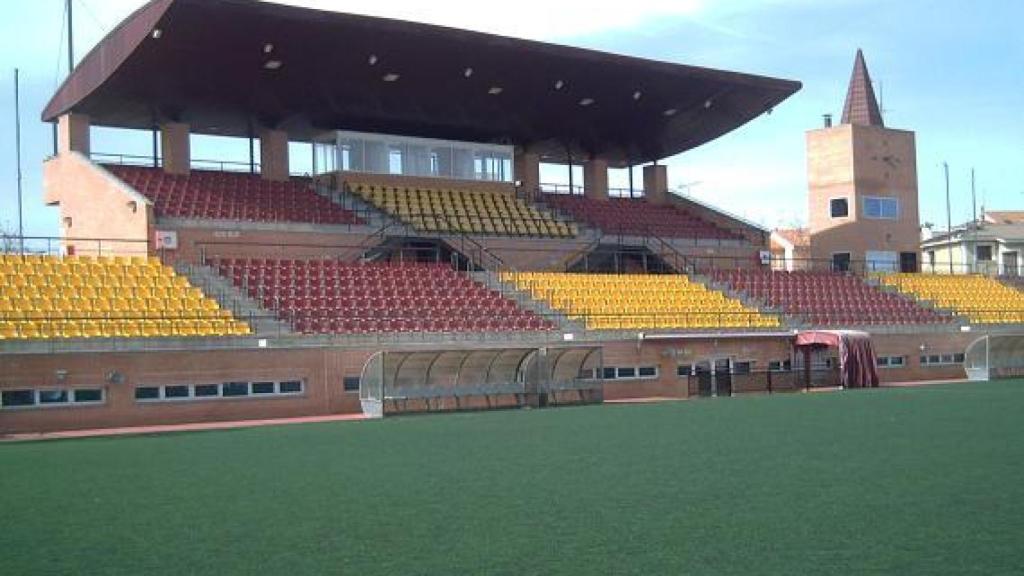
(527, 171)
(595, 179)
(274, 155)
(174, 141)
(656, 183)
(73, 134)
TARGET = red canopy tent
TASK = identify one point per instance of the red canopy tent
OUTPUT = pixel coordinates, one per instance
(857, 362)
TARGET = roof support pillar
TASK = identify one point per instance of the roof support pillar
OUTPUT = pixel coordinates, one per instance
(595, 179)
(656, 183)
(73, 133)
(174, 141)
(274, 155)
(527, 171)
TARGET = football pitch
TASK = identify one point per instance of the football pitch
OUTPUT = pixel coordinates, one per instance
(925, 480)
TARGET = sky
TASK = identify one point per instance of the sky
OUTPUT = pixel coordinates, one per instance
(951, 71)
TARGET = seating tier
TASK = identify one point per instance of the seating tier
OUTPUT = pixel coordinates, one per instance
(44, 297)
(638, 217)
(980, 299)
(639, 301)
(826, 298)
(332, 297)
(212, 195)
(446, 210)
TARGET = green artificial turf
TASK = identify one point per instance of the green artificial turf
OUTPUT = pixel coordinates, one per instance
(895, 481)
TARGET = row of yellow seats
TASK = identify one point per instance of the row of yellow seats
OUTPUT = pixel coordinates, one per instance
(141, 304)
(95, 281)
(31, 330)
(87, 292)
(686, 322)
(120, 314)
(47, 259)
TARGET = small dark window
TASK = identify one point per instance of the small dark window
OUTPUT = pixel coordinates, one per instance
(175, 391)
(839, 207)
(934, 359)
(741, 367)
(841, 262)
(609, 373)
(235, 389)
(958, 358)
(647, 372)
(11, 398)
(291, 387)
(351, 383)
(984, 253)
(147, 393)
(53, 396)
(629, 372)
(85, 395)
(207, 390)
(896, 361)
(684, 370)
(262, 387)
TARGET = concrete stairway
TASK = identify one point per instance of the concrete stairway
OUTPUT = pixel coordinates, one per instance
(262, 322)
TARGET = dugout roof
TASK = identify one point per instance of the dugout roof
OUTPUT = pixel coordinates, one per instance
(230, 67)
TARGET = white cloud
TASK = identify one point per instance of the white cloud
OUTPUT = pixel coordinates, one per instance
(535, 19)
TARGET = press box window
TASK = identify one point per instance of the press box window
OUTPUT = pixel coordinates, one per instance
(351, 384)
(839, 207)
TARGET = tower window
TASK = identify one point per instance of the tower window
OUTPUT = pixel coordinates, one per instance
(881, 208)
(839, 207)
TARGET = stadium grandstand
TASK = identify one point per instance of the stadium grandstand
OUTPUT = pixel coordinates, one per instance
(422, 264)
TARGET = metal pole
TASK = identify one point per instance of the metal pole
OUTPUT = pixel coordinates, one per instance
(156, 150)
(71, 37)
(17, 153)
(974, 220)
(949, 217)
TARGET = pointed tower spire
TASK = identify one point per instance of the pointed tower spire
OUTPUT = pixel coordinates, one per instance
(861, 107)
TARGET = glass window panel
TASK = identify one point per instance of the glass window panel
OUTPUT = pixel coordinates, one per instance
(351, 383)
(291, 387)
(628, 372)
(86, 395)
(177, 391)
(147, 393)
(207, 390)
(53, 396)
(235, 389)
(262, 387)
(647, 372)
(13, 398)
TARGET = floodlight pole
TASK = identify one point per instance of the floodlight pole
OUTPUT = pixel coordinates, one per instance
(17, 154)
(949, 217)
(974, 218)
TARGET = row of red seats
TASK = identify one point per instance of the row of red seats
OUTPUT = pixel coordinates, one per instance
(376, 297)
(827, 298)
(639, 217)
(232, 196)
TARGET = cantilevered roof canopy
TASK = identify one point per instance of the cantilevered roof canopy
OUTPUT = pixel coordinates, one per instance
(230, 67)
